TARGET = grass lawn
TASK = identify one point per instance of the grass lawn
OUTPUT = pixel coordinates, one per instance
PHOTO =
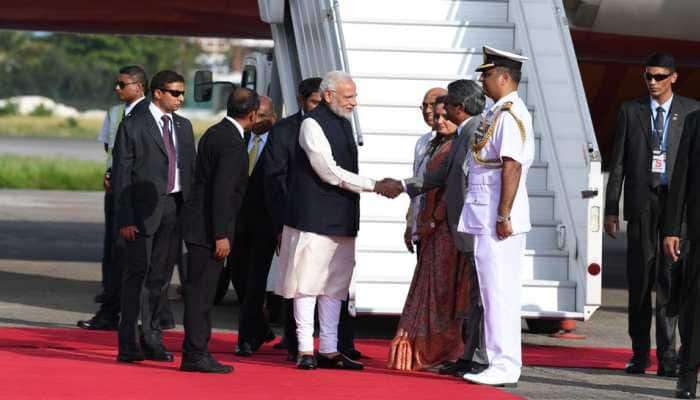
(53, 127)
(17, 172)
(74, 128)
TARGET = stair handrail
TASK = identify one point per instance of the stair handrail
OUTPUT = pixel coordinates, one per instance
(534, 77)
(334, 15)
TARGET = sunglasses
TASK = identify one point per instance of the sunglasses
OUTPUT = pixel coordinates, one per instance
(173, 92)
(656, 77)
(121, 84)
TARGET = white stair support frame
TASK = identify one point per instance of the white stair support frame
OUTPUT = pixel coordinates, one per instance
(555, 281)
(542, 33)
(272, 12)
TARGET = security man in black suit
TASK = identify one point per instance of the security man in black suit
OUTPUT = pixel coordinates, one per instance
(130, 87)
(255, 240)
(211, 214)
(683, 214)
(152, 170)
(646, 143)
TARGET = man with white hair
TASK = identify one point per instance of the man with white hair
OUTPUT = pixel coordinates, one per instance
(322, 218)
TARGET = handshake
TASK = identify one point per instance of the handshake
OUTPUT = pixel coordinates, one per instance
(388, 187)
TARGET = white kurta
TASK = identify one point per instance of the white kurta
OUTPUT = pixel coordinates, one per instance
(311, 264)
(499, 262)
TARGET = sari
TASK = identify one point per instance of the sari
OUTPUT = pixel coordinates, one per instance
(441, 291)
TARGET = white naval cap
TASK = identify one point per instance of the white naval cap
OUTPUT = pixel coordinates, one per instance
(500, 58)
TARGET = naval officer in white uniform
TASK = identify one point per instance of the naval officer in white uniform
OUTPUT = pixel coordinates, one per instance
(497, 213)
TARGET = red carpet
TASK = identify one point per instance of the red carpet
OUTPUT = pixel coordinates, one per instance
(38, 363)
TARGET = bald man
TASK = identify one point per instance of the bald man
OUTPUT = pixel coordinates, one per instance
(255, 241)
(420, 160)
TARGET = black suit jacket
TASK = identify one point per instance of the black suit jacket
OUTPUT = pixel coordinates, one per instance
(632, 153)
(684, 193)
(278, 156)
(254, 216)
(140, 168)
(451, 175)
(219, 185)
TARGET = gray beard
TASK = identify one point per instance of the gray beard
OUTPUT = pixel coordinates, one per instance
(339, 111)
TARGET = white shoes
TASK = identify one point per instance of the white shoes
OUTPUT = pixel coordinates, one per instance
(492, 377)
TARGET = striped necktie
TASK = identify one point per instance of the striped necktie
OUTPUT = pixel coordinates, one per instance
(170, 148)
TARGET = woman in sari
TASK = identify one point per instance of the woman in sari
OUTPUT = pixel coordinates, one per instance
(430, 328)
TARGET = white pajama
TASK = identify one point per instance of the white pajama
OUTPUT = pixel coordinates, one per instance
(328, 318)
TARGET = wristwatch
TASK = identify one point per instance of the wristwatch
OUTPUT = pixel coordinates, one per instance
(501, 218)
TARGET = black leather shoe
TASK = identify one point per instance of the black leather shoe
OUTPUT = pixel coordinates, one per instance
(244, 349)
(157, 352)
(637, 366)
(461, 367)
(159, 355)
(351, 353)
(667, 370)
(206, 364)
(130, 357)
(98, 324)
(340, 361)
(307, 362)
(449, 367)
(686, 386)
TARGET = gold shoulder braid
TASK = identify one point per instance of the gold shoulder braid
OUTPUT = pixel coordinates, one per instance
(477, 147)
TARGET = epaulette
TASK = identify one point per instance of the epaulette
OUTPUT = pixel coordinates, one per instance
(507, 106)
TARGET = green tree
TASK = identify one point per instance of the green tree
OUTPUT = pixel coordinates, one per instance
(78, 69)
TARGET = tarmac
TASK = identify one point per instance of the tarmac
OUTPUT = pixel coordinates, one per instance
(50, 251)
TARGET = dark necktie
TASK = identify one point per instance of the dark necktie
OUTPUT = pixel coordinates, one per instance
(170, 148)
(658, 128)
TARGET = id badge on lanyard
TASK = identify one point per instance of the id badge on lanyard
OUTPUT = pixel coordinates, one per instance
(658, 162)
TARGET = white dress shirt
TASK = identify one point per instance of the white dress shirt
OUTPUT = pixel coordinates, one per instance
(113, 118)
(237, 125)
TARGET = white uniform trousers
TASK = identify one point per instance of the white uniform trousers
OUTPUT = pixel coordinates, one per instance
(498, 266)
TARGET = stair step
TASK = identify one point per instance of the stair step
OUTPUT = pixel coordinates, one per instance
(387, 116)
(383, 88)
(546, 295)
(537, 175)
(444, 10)
(373, 205)
(414, 61)
(390, 229)
(375, 161)
(537, 296)
(380, 33)
(398, 266)
(541, 204)
(402, 151)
